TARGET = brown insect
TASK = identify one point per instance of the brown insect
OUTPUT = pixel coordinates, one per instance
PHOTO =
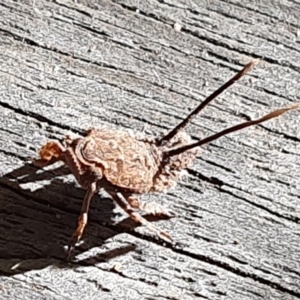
(127, 165)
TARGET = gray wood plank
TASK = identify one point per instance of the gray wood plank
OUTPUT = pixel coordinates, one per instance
(66, 67)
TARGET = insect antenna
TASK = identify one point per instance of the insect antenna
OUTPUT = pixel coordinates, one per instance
(213, 137)
(216, 93)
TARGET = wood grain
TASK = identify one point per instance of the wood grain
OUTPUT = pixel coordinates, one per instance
(66, 66)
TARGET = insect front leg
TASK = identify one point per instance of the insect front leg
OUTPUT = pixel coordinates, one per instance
(151, 208)
(119, 198)
(50, 153)
(83, 218)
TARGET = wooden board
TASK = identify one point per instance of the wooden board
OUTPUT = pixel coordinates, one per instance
(66, 66)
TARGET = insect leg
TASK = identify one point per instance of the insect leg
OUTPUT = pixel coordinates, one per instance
(82, 220)
(152, 207)
(240, 126)
(118, 197)
(198, 109)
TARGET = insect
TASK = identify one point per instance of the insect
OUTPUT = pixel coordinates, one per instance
(128, 165)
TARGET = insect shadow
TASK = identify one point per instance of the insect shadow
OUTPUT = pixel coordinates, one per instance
(37, 209)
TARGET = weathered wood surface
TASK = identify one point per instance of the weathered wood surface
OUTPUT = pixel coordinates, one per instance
(67, 66)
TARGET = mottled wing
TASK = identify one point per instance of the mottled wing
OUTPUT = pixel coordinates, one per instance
(127, 162)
